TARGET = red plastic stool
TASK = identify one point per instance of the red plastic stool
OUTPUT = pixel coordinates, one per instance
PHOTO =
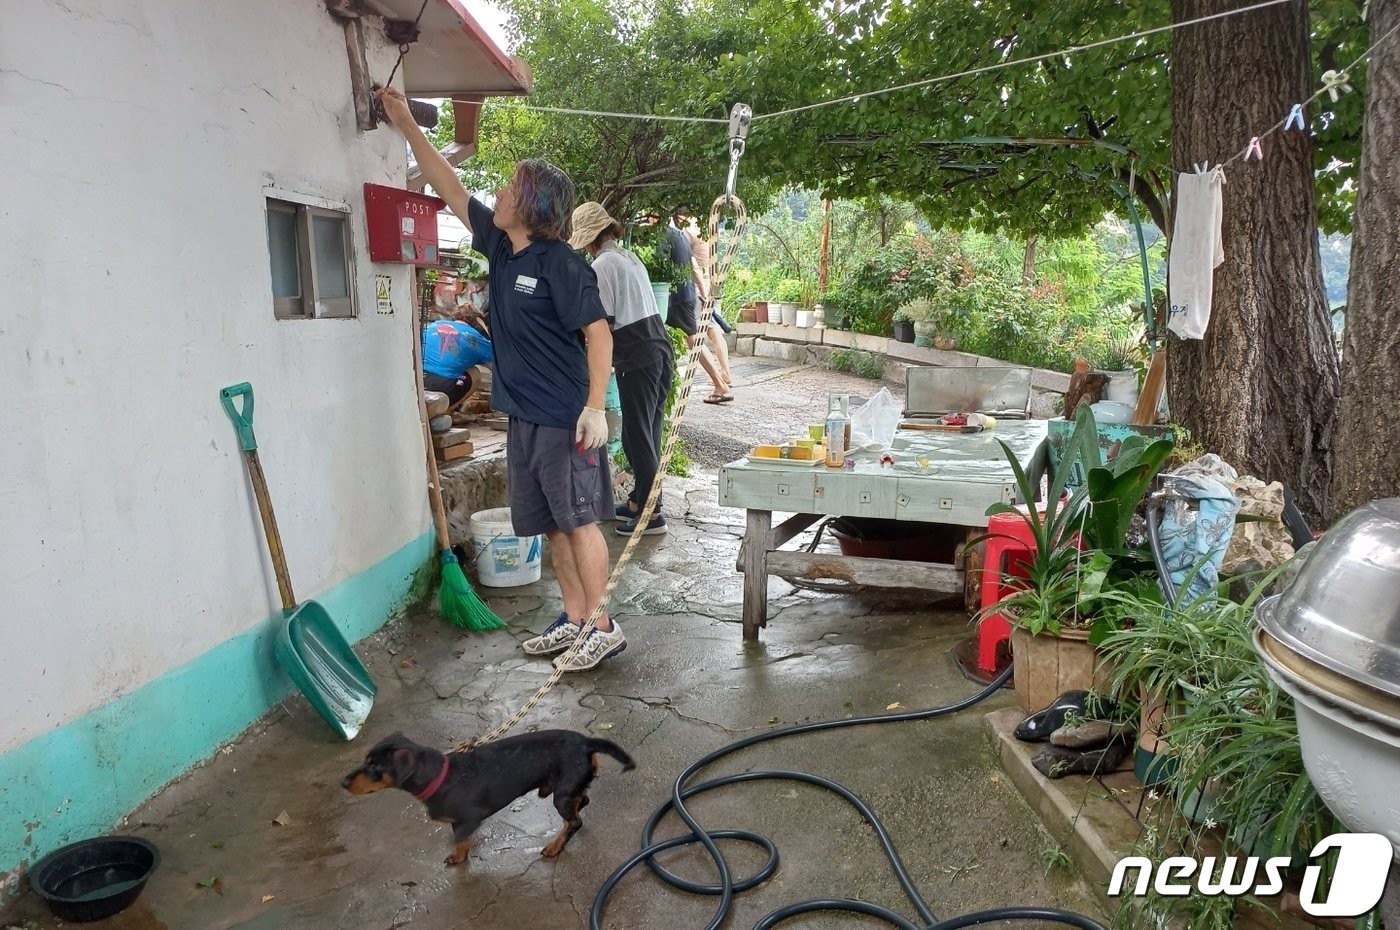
(1008, 548)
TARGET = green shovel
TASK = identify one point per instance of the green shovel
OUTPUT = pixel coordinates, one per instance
(310, 647)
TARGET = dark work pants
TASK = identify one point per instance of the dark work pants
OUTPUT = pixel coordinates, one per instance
(643, 395)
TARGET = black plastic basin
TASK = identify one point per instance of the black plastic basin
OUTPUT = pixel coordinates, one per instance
(95, 878)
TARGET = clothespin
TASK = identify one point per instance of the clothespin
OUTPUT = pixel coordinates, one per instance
(1295, 116)
(1254, 150)
(1336, 83)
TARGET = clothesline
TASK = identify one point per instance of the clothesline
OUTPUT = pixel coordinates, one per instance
(1334, 86)
(999, 66)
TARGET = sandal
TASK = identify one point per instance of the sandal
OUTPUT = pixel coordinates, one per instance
(716, 399)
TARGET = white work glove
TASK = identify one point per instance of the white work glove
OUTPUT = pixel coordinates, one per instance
(592, 429)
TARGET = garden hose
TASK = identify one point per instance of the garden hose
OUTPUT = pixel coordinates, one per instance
(728, 885)
(1154, 539)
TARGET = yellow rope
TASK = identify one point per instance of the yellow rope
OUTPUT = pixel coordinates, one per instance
(718, 271)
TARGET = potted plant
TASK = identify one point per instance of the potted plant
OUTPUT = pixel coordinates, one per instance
(651, 245)
(787, 292)
(925, 317)
(1237, 776)
(1069, 601)
(903, 326)
(660, 269)
(1181, 659)
(806, 304)
(834, 303)
(1050, 647)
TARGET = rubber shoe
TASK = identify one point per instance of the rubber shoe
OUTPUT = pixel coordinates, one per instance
(560, 636)
(624, 511)
(597, 647)
(656, 527)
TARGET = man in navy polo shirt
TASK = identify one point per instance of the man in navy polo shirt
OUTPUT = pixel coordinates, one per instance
(553, 353)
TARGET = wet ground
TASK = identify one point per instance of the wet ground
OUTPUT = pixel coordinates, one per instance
(773, 400)
(264, 837)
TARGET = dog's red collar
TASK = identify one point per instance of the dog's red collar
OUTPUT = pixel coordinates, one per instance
(436, 783)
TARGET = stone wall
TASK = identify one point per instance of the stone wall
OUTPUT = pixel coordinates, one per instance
(467, 487)
(800, 346)
(808, 346)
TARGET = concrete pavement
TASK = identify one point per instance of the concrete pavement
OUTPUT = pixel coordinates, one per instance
(686, 685)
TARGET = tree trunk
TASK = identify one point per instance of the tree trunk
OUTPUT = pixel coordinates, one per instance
(1367, 460)
(1028, 266)
(1261, 389)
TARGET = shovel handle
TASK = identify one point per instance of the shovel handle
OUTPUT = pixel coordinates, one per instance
(274, 537)
(242, 418)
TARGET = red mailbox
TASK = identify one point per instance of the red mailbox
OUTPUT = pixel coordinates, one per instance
(402, 225)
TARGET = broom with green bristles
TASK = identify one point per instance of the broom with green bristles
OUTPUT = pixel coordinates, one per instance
(460, 605)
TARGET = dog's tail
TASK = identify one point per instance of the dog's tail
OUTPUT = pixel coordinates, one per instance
(608, 747)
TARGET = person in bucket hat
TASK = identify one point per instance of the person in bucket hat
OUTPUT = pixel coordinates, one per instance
(642, 357)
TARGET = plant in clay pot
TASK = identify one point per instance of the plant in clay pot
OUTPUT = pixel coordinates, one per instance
(1050, 650)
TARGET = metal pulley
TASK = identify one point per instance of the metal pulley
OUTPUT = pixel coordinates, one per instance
(739, 118)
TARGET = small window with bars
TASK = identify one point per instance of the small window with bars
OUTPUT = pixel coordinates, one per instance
(313, 274)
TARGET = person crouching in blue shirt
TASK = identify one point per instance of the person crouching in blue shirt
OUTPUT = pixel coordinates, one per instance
(450, 350)
(553, 358)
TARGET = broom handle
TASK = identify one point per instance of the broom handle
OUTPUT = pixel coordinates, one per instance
(434, 488)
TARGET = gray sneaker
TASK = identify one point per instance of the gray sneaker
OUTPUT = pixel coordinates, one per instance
(597, 647)
(560, 636)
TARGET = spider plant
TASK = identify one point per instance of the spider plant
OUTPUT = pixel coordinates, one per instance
(1233, 733)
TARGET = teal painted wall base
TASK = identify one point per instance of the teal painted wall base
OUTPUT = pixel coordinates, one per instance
(80, 779)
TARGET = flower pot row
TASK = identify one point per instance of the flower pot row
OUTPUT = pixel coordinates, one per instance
(778, 312)
(920, 335)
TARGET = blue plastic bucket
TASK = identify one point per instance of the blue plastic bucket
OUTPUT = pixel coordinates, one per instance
(503, 560)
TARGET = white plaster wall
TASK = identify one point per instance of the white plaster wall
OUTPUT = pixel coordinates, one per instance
(136, 137)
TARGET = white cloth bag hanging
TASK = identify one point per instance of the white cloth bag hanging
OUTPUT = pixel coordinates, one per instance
(1196, 252)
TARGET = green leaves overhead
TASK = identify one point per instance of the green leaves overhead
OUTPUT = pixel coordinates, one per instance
(615, 56)
(961, 149)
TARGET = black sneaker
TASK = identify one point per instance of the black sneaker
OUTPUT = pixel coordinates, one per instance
(656, 527)
(624, 511)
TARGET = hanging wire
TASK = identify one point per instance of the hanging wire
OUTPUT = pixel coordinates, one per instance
(657, 117)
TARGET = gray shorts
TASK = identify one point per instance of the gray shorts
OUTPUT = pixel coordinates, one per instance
(554, 486)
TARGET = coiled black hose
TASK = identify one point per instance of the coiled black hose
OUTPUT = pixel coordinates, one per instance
(727, 885)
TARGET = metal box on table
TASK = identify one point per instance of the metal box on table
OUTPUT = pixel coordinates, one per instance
(931, 391)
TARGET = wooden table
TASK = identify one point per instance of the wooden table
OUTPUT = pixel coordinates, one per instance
(965, 475)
